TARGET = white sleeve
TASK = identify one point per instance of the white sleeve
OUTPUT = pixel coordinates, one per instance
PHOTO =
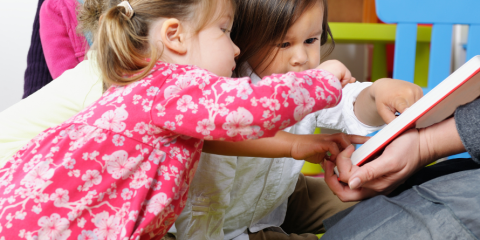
(55, 103)
(342, 116)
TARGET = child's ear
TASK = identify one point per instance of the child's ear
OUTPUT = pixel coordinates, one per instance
(173, 36)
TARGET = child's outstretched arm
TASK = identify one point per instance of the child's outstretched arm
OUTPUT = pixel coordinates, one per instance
(339, 70)
(377, 104)
(312, 147)
(201, 105)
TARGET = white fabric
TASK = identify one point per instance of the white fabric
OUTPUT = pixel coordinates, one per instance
(230, 194)
(56, 102)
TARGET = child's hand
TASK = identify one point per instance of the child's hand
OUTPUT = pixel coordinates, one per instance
(393, 96)
(339, 70)
(314, 147)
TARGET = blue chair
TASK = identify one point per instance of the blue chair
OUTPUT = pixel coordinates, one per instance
(442, 14)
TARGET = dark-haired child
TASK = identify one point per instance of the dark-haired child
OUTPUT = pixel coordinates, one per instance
(268, 198)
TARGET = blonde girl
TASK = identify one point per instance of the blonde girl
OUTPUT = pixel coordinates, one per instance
(121, 168)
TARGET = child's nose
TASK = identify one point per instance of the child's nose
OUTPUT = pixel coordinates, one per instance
(299, 57)
(236, 50)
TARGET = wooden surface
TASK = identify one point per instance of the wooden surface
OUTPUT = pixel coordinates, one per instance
(345, 10)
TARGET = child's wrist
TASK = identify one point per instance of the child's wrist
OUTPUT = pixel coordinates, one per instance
(285, 143)
(293, 144)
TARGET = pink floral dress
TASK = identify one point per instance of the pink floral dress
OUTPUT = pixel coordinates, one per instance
(121, 168)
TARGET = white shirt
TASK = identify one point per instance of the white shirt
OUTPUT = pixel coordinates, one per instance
(229, 195)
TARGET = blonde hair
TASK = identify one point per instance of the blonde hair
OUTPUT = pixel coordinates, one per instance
(124, 53)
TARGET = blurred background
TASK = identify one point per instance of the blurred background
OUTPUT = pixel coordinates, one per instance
(16, 21)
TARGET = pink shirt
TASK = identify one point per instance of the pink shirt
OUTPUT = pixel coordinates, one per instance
(122, 167)
(63, 47)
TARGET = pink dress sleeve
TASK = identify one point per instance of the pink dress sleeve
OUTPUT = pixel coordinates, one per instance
(199, 104)
(62, 46)
(110, 173)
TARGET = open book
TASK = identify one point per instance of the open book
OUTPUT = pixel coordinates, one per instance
(461, 87)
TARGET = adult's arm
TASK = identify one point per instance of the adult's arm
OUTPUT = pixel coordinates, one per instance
(53, 104)
(407, 154)
(467, 119)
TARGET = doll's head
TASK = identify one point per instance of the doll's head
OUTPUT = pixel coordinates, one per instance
(278, 36)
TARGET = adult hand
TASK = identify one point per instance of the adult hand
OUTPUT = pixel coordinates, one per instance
(400, 159)
(339, 188)
(339, 70)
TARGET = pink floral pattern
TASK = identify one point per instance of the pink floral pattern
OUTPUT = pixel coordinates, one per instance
(120, 169)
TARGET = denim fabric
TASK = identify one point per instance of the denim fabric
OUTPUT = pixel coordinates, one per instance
(446, 207)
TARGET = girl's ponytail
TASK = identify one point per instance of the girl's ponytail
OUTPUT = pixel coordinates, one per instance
(120, 43)
(124, 52)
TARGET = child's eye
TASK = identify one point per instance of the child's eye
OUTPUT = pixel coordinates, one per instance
(283, 45)
(311, 40)
(225, 30)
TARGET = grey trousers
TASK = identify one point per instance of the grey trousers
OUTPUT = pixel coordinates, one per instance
(447, 207)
